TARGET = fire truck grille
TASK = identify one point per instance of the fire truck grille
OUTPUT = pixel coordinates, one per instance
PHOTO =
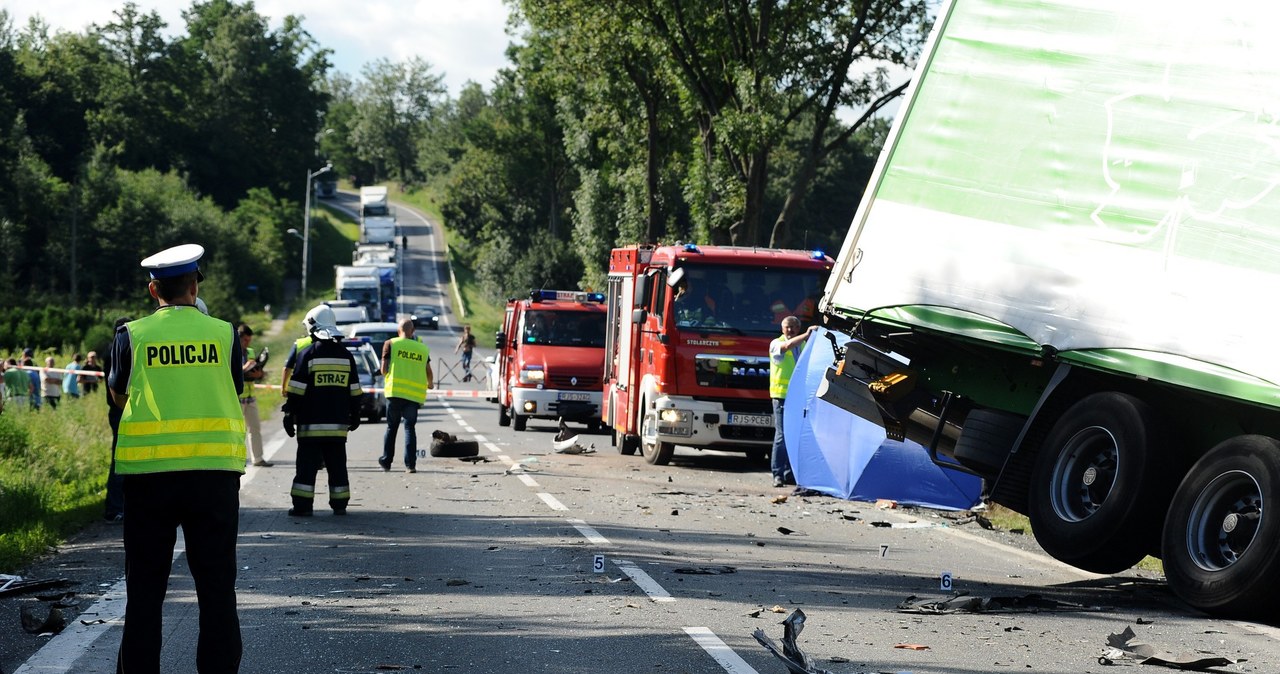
(565, 381)
(759, 433)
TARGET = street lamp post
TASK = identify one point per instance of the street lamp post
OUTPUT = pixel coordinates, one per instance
(306, 226)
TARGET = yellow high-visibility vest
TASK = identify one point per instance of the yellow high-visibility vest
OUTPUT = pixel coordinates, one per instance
(780, 373)
(407, 370)
(182, 412)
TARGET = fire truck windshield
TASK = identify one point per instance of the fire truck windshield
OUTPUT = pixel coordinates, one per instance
(563, 328)
(744, 300)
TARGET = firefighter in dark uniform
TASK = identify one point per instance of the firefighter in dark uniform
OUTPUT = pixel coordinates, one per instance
(176, 376)
(322, 405)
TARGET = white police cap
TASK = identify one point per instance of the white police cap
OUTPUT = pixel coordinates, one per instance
(175, 261)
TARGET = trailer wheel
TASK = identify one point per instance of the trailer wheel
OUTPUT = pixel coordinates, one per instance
(655, 451)
(455, 449)
(518, 421)
(1221, 546)
(1099, 489)
(504, 415)
(626, 443)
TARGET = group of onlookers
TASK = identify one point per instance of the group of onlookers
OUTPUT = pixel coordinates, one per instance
(25, 384)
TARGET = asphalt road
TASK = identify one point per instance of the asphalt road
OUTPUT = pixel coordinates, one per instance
(489, 567)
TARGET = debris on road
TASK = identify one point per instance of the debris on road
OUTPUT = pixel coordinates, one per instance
(35, 620)
(912, 647)
(706, 570)
(790, 654)
(18, 585)
(787, 532)
(778, 499)
(1122, 647)
(961, 602)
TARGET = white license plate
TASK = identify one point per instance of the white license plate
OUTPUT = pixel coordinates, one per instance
(573, 396)
(750, 419)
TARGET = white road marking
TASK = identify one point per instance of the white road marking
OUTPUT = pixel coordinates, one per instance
(492, 447)
(481, 438)
(552, 501)
(468, 428)
(731, 661)
(587, 530)
(528, 481)
(644, 582)
(506, 459)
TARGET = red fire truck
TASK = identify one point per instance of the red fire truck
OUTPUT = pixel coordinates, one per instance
(551, 357)
(688, 343)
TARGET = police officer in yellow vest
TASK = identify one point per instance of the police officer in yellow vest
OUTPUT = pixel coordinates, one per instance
(252, 370)
(406, 364)
(782, 362)
(177, 375)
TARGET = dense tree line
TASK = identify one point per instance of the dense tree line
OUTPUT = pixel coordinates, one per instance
(119, 141)
(748, 123)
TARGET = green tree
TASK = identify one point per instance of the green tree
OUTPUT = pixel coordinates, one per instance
(394, 106)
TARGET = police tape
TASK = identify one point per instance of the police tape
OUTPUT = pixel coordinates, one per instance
(438, 393)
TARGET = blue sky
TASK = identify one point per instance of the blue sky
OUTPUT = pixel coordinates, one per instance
(461, 39)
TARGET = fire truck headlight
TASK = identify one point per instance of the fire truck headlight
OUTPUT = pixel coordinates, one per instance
(531, 376)
(675, 422)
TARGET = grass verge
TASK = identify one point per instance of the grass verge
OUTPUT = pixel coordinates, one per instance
(1005, 519)
(53, 475)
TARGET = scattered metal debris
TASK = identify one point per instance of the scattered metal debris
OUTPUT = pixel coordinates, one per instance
(790, 654)
(706, 570)
(787, 532)
(961, 602)
(912, 647)
(1121, 647)
(10, 585)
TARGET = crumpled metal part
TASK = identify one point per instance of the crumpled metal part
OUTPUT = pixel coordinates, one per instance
(790, 654)
(961, 602)
(1122, 647)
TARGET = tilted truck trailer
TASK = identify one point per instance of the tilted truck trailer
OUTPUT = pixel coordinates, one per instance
(1061, 276)
(687, 356)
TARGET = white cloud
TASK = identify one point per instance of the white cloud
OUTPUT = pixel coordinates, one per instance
(461, 40)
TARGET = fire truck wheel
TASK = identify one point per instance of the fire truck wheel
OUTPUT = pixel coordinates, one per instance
(758, 455)
(518, 421)
(504, 415)
(656, 452)
(626, 443)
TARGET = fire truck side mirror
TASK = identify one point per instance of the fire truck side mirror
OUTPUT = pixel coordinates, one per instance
(642, 291)
(637, 316)
(499, 340)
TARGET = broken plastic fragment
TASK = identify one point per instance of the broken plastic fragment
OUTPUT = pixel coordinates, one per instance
(1122, 646)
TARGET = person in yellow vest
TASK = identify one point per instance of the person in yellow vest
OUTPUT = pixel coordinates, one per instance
(783, 352)
(248, 401)
(177, 377)
(321, 407)
(406, 364)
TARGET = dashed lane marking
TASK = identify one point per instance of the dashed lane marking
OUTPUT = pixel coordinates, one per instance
(552, 501)
(587, 530)
(731, 661)
(644, 582)
(528, 481)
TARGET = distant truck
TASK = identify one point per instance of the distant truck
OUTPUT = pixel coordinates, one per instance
(373, 254)
(374, 201)
(362, 285)
(379, 230)
(1060, 277)
(550, 358)
(687, 356)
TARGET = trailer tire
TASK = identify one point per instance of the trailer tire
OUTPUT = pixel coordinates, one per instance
(504, 415)
(987, 438)
(657, 452)
(1221, 543)
(455, 449)
(519, 421)
(1101, 484)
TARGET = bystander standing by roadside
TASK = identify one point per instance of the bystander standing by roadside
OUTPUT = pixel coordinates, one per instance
(71, 380)
(52, 383)
(88, 382)
(17, 385)
(33, 375)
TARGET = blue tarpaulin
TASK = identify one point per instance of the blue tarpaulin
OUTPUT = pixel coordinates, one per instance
(836, 453)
